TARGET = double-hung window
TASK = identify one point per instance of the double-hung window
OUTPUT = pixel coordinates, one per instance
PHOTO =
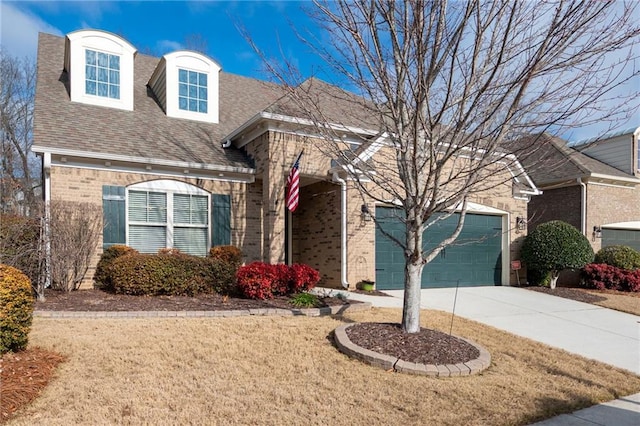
(168, 219)
(190, 223)
(192, 91)
(148, 220)
(102, 74)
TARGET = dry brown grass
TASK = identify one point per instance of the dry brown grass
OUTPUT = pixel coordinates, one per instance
(284, 370)
(618, 300)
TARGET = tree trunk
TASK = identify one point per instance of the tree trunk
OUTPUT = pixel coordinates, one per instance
(411, 309)
(554, 279)
(412, 276)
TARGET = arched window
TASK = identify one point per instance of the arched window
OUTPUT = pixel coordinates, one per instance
(167, 213)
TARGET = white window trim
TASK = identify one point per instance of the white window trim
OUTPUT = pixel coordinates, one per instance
(191, 61)
(169, 187)
(100, 41)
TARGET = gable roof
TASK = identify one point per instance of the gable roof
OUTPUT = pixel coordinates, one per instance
(145, 132)
(548, 159)
(330, 104)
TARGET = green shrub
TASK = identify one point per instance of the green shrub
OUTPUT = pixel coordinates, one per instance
(229, 254)
(554, 246)
(16, 309)
(539, 278)
(170, 274)
(623, 257)
(304, 300)
(101, 277)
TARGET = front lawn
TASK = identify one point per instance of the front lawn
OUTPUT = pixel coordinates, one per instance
(284, 370)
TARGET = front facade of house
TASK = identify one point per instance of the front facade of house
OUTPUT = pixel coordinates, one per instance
(180, 154)
(594, 185)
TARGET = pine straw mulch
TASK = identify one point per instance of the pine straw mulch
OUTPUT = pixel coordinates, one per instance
(23, 375)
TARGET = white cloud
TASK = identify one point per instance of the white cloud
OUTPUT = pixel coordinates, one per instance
(166, 46)
(19, 34)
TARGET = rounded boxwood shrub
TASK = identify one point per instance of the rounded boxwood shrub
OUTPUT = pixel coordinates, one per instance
(101, 277)
(16, 309)
(170, 274)
(623, 257)
(554, 246)
(229, 254)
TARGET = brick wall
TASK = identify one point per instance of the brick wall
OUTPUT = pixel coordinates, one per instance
(556, 204)
(610, 204)
(85, 185)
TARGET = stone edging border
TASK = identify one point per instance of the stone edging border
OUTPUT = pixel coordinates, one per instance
(386, 362)
(310, 312)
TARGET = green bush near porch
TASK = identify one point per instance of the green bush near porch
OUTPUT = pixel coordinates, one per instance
(171, 273)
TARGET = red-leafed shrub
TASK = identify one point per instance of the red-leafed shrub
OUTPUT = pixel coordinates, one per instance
(303, 278)
(260, 280)
(601, 276)
(255, 280)
(281, 279)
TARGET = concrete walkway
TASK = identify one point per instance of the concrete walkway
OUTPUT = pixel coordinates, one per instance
(594, 332)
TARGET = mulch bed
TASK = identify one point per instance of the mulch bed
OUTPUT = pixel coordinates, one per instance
(579, 295)
(426, 347)
(371, 293)
(97, 300)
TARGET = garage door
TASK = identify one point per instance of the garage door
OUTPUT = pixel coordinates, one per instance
(475, 259)
(624, 237)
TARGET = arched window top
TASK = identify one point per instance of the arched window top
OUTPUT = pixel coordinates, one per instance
(100, 68)
(168, 185)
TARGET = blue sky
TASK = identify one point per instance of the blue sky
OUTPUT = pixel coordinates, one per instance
(157, 28)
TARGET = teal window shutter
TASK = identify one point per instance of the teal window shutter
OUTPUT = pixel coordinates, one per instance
(220, 220)
(113, 214)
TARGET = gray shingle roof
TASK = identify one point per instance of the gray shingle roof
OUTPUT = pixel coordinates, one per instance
(548, 159)
(326, 103)
(146, 131)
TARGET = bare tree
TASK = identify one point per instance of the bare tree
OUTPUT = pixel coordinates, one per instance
(19, 167)
(74, 229)
(450, 86)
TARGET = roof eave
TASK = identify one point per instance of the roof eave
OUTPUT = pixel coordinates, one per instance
(142, 160)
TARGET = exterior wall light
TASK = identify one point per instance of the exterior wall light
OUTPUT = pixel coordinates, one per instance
(365, 214)
(521, 224)
(597, 232)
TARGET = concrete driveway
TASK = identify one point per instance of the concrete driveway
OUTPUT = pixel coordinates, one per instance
(591, 331)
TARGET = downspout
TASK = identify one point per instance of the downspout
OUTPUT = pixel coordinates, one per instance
(343, 229)
(583, 207)
(46, 174)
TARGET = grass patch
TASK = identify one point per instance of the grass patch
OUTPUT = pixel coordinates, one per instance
(284, 370)
(618, 300)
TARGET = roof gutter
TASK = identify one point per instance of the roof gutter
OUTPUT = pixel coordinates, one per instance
(142, 160)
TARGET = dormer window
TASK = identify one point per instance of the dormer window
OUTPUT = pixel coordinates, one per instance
(102, 74)
(192, 91)
(100, 68)
(186, 86)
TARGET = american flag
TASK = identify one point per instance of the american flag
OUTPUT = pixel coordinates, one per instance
(293, 185)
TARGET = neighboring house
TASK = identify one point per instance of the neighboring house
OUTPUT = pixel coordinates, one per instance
(593, 185)
(181, 154)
